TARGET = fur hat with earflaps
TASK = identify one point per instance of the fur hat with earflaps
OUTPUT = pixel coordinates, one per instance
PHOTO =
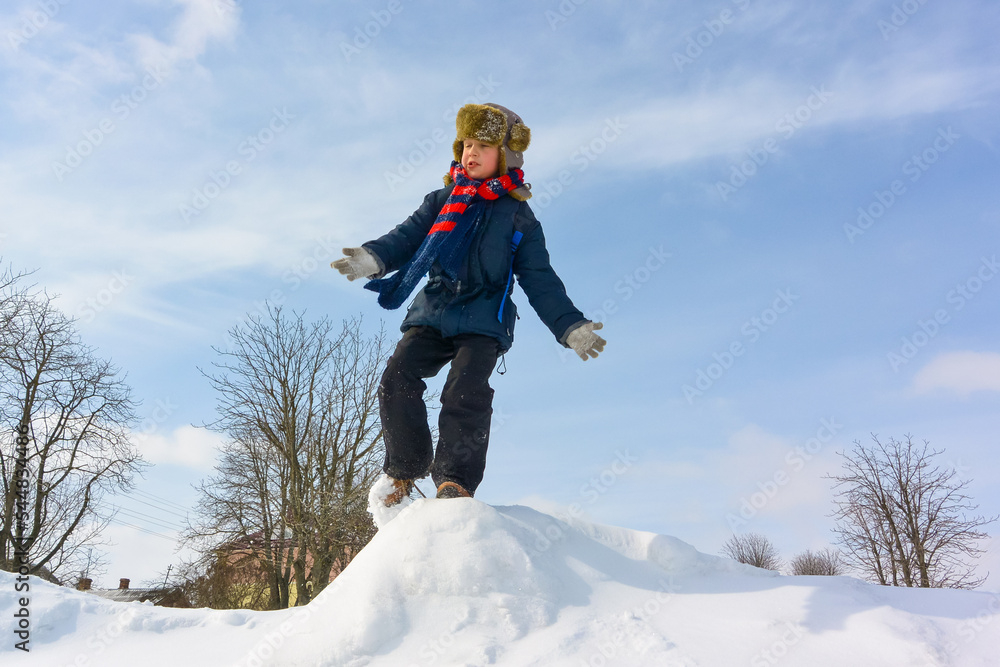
(497, 126)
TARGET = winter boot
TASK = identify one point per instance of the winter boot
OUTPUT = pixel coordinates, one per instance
(401, 488)
(452, 490)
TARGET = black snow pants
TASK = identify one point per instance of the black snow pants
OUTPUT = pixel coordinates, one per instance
(466, 407)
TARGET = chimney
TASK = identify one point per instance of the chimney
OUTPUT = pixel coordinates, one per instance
(123, 584)
(84, 584)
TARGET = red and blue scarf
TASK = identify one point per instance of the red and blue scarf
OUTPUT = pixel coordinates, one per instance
(450, 236)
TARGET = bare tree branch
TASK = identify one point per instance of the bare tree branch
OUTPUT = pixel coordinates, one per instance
(299, 405)
(77, 413)
(822, 563)
(753, 549)
(904, 521)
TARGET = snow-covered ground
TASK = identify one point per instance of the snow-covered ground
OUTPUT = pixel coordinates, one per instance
(458, 582)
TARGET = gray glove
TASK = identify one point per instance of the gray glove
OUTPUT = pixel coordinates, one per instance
(585, 342)
(359, 263)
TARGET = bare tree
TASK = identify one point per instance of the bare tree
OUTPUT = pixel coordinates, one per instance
(345, 456)
(299, 405)
(241, 524)
(823, 563)
(905, 521)
(753, 549)
(76, 414)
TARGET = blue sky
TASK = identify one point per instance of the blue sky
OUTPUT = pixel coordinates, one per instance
(785, 214)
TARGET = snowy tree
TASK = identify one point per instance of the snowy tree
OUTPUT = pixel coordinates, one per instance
(903, 520)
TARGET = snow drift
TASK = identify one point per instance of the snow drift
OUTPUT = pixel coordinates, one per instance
(458, 582)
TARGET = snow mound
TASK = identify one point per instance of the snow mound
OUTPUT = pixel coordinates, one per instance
(458, 582)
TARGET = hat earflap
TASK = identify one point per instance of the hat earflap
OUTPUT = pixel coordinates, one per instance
(520, 137)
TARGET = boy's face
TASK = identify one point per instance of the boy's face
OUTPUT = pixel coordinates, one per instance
(480, 161)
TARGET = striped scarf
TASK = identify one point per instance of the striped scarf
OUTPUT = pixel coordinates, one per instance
(449, 237)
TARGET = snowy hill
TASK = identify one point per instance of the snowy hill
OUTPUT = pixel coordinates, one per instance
(458, 582)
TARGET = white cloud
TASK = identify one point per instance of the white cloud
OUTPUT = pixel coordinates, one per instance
(57, 73)
(665, 131)
(185, 446)
(201, 22)
(772, 476)
(960, 372)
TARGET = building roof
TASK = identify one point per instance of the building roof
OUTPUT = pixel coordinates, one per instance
(155, 595)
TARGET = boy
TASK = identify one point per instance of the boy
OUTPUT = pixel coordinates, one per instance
(473, 236)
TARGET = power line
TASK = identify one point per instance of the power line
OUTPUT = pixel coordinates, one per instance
(160, 499)
(162, 509)
(137, 513)
(149, 519)
(151, 532)
(155, 501)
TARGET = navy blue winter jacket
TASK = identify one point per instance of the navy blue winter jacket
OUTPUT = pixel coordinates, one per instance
(471, 303)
